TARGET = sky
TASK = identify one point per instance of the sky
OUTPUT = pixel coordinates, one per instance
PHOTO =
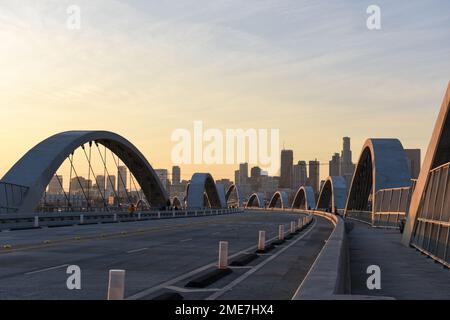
(142, 69)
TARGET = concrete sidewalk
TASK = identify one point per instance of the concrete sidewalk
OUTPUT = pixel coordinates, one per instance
(405, 273)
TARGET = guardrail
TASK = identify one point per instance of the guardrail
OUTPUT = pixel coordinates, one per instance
(37, 220)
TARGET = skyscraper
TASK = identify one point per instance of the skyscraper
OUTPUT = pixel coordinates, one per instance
(237, 177)
(122, 181)
(414, 162)
(162, 175)
(299, 176)
(335, 165)
(100, 182)
(243, 173)
(110, 186)
(55, 185)
(176, 175)
(347, 166)
(287, 159)
(314, 175)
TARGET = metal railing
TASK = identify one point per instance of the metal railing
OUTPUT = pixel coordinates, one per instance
(11, 196)
(35, 220)
(391, 206)
(431, 231)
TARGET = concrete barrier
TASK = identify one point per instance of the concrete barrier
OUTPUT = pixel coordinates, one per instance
(329, 276)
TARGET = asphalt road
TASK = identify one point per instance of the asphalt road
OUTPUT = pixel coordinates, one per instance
(158, 256)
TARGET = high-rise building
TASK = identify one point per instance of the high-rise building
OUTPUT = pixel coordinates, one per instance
(162, 175)
(255, 172)
(335, 165)
(237, 177)
(176, 175)
(243, 173)
(347, 165)
(80, 185)
(122, 181)
(55, 185)
(414, 162)
(287, 159)
(100, 182)
(314, 175)
(110, 186)
(299, 176)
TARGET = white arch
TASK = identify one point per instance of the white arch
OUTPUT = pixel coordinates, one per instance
(239, 195)
(305, 197)
(382, 164)
(260, 197)
(333, 193)
(36, 168)
(201, 184)
(284, 198)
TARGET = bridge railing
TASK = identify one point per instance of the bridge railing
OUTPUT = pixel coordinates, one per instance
(11, 196)
(363, 216)
(431, 234)
(35, 220)
(391, 206)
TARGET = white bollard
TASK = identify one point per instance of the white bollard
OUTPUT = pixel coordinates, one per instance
(300, 223)
(116, 285)
(36, 221)
(186, 213)
(173, 213)
(115, 216)
(292, 227)
(195, 213)
(262, 241)
(159, 215)
(304, 221)
(139, 216)
(281, 232)
(81, 218)
(223, 254)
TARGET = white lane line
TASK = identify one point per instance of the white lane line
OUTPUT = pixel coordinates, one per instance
(256, 268)
(186, 240)
(184, 276)
(46, 269)
(240, 267)
(137, 250)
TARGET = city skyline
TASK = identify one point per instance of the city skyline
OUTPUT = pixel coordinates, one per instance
(258, 73)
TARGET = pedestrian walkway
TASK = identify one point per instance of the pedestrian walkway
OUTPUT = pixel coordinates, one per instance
(405, 272)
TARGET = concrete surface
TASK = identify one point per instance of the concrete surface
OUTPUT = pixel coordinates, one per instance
(405, 273)
(153, 253)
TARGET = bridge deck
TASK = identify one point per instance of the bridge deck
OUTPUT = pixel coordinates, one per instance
(405, 273)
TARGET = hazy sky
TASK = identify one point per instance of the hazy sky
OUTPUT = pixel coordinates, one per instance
(145, 68)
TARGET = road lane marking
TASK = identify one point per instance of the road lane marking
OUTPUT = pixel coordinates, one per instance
(215, 233)
(46, 269)
(137, 250)
(186, 240)
(165, 284)
(237, 281)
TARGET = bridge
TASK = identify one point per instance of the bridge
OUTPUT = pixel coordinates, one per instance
(216, 244)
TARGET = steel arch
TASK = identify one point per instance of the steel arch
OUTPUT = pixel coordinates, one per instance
(284, 198)
(304, 198)
(382, 164)
(36, 168)
(333, 194)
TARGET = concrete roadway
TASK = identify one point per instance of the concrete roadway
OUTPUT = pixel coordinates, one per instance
(158, 256)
